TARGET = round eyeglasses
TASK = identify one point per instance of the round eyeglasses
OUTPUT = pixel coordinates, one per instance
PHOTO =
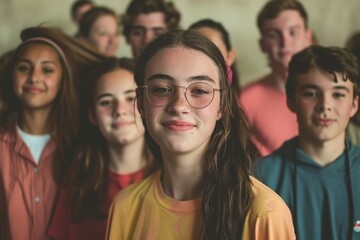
(198, 94)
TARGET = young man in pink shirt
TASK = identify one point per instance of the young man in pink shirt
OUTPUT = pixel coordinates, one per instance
(284, 31)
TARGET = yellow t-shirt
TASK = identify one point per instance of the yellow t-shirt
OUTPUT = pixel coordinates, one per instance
(143, 211)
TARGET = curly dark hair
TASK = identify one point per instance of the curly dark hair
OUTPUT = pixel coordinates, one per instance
(137, 7)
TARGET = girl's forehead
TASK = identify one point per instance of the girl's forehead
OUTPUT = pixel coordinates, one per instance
(103, 20)
(181, 63)
(118, 79)
(37, 49)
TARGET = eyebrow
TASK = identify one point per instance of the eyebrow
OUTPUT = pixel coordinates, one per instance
(190, 79)
(111, 95)
(313, 86)
(292, 27)
(160, 77)
(104, 95)
(139, 27)
(29, 61)
(202, 78)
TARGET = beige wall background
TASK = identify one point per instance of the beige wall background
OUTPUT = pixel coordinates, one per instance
(332, 21)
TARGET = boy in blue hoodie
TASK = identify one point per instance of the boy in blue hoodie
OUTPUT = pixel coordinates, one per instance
(317, 173)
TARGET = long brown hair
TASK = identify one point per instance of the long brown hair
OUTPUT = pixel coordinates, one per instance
(227, 188)
(64, 119)
(87, 179)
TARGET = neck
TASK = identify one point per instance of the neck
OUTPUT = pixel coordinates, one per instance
(127, 158)
(182, 177)
(35, 122)
(277, 78)
(323, 153)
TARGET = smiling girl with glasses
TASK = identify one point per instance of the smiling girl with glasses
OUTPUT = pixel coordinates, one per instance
(198, 133)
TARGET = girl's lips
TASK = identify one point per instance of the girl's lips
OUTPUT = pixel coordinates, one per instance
(32, 90)
(178, 125)
(121, 124)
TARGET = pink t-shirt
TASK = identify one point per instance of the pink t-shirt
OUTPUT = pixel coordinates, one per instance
(271, 121)
(89, 228)
(27, 189)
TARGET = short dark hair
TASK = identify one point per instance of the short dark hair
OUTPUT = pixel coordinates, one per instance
(207, 22)
(274, 7)
(137, 7)
(77, 4)
(333, 60)
(353, 44)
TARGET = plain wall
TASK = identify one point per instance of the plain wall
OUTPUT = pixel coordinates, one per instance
(332, 21)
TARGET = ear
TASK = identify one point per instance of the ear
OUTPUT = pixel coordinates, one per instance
(140, 103)
(310, 38)
(262, 45)
(231, 56)
(91, 116)
(290, 102)
(355, 106)
(219, 115)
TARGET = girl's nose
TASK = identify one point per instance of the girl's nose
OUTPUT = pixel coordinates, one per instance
(35, 75)
(179, 103)
(120, 108)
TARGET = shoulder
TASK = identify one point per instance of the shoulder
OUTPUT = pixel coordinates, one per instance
(273, 168)
(252, 94)
(8, 136)
(265, 200)
(354, 154)
(128, 204)
(268, 216)
(258, 85)
(279, 156)
(354, 149)
(9, 142)
(270, 163)
(136, 192)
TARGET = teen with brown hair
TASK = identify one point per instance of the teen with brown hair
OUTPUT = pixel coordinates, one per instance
(195, 128)
(145, 20)
(112, 155)
(316, 172)
(38, 125)
(283, 25)
(100, 28)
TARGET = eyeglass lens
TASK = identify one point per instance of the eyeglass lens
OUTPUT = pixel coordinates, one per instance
(198, 94)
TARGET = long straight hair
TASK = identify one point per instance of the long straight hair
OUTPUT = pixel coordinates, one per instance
(227, 191)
